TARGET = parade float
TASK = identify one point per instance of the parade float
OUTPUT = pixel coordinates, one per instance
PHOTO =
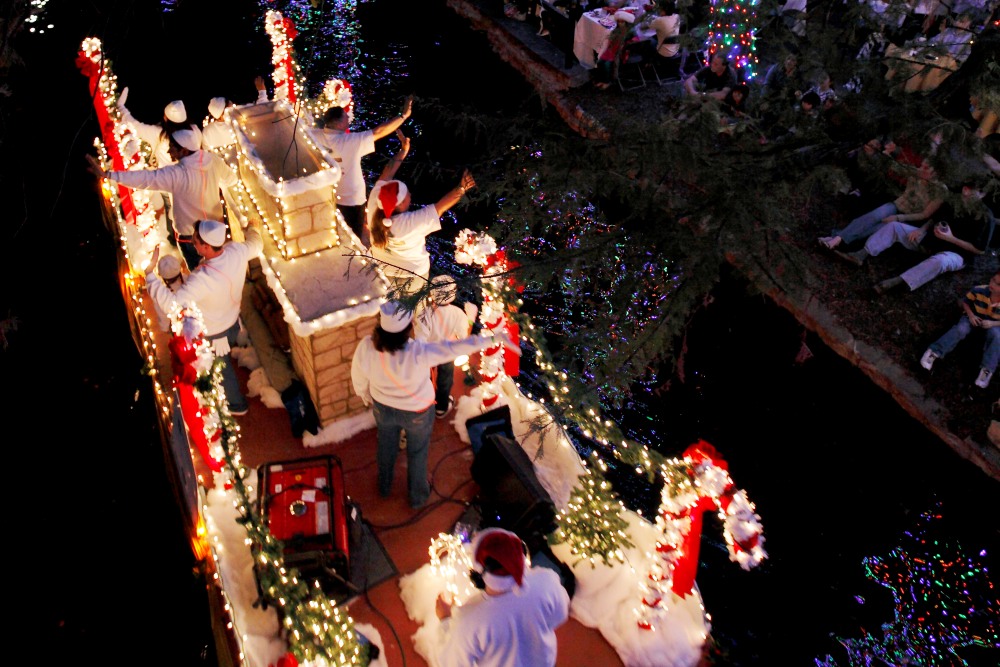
(635, 576)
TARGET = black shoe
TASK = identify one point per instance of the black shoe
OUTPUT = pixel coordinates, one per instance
(441, 414)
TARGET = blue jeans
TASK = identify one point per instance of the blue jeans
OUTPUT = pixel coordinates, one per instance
(230, 383)
(865, 225)
(445, 381)
(418, 426)
(955, 335)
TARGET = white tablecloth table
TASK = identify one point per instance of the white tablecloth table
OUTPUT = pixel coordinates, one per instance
(591, 37)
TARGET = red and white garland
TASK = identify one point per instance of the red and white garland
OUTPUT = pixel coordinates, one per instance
(336, 93)
(282, 32)
(494, 365)
(119, 144)
(193, 357)
(693, 485)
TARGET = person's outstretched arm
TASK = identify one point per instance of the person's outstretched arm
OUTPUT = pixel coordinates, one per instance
(454, 195)
(391, 125)
(392, 166)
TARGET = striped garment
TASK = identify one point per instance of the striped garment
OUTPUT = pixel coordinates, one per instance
(978, 299)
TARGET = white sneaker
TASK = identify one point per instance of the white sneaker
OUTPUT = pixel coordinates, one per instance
(930, 356)
(984, 378)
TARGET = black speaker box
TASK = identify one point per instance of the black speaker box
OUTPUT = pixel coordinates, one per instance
(510, 495)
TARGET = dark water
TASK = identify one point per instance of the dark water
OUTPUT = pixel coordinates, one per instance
(837, 470)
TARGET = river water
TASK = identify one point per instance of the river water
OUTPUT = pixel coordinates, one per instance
(838, 471)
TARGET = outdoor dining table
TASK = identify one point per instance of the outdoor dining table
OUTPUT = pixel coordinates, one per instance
(591, 35)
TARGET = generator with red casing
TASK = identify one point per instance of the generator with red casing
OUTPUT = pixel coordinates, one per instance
(304, 505)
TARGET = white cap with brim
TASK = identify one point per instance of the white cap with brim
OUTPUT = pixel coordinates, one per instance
(175, 112)
(189, 139)
(169, 267)
(392, 318)
(216, 106)
(212, 232)
(443, 290)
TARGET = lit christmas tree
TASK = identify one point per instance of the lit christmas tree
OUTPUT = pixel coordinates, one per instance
(732, 30)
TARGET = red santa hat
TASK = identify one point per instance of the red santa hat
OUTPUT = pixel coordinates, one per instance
(386, 196)
(622, 15)
(505, 550)
(175, 112)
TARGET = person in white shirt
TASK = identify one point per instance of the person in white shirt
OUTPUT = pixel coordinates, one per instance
(215, 287)
(194, 184)
(171, 273)
(215, 131)
(514, 621)
(391, 373)
(398, 235)
(157, 135)
(349, 147)
(442, 320)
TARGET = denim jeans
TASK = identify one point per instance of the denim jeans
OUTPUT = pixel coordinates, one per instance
(892, 233)
(864, 225)
(230, 383)
(951, 338)
(445, 381)
(389, 422)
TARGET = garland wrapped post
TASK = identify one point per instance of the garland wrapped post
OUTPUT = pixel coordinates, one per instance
(699, 482)
(495, 363)
(287, 78)
(119, 145)
(193, 360)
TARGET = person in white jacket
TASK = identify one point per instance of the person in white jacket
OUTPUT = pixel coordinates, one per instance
(391, 373)
(514, 620)
(215, 287)
(197, 185)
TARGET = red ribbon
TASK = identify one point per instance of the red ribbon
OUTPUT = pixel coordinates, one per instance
(182, 357)
(93, 72)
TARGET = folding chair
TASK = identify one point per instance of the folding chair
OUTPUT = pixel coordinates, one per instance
(628, 70)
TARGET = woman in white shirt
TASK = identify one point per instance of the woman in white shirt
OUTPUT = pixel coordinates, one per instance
(398, 235)
(391, 373)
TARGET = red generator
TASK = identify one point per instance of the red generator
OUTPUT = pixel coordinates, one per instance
(304, 506)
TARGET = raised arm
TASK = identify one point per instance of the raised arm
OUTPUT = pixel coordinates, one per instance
(454, 195)
(392, 166)
(391, 125)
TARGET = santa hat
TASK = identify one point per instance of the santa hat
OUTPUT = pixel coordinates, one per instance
(625, 16)
(169, 267)
(212, 232)
(392, 318)
(506, 550)
(444, 289)
(175, 112)
(189, 139)
(386, 196)
(216, 106)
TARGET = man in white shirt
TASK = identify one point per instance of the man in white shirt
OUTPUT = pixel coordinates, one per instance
(443, 320)
(513, 621)
(216, 132)
(194, 184)
(215, 287)
(157, 135)
(349, 147)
